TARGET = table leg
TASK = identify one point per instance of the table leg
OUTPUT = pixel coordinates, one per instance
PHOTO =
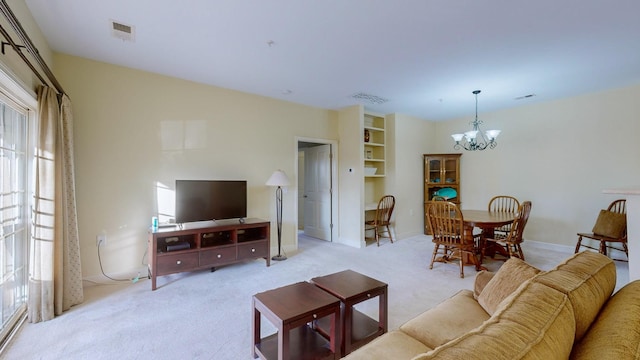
(470, 259)
(382, 312)
(283, 343)
(336, 331)
(256, 328)
(347, 320)
(490, 247)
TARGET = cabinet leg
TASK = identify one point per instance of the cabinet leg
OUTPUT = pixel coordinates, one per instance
(213, 269)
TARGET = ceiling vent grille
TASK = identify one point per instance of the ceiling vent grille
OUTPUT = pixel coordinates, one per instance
(122, 31)
(368, 98)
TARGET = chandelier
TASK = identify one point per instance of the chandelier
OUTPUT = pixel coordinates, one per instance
(475, 139)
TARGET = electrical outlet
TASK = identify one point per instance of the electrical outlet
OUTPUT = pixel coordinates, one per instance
(101, 240)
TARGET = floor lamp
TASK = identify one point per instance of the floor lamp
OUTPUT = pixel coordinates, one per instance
(279, 179)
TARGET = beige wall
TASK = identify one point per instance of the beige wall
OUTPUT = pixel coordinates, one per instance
(351, 177)
(560, 155)
(408, 138)
(128, 138)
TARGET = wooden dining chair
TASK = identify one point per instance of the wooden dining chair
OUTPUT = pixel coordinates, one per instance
(447, 225)
(610, 229)
(513, 240)
(505, 204)
(380, 225)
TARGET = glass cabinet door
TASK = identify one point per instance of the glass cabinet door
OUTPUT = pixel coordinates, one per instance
(434, 171)
(450, 171)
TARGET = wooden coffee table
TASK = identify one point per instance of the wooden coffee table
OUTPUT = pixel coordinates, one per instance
(352, 288)
(290, 309)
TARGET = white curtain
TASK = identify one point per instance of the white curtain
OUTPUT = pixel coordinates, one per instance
(55, 276)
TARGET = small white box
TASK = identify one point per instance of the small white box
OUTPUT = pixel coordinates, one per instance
(369, 171)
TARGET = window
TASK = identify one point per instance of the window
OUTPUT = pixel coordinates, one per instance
(16, 142)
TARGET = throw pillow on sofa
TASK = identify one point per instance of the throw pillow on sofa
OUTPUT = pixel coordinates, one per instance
(507, 279)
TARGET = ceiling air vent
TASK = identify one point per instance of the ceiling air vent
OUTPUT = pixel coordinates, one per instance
(122, 31)
(524, 97)
(368, 98)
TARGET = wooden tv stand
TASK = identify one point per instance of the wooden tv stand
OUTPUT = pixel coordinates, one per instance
(175, 249)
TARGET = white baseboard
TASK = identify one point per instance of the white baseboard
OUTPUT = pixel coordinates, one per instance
(122, 277)
(555, 247)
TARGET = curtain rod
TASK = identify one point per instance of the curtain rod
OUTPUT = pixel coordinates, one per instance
(28, 44)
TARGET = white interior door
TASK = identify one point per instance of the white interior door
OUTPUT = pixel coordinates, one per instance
(317, 192)
(301, 189)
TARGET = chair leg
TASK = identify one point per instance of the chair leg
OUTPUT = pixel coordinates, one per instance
(578, 244)
(603, 248)
(483, 246)
(520, 252)
(461, 265)
(377, 234)
(433, 257)
(389, 232)
(626, 250)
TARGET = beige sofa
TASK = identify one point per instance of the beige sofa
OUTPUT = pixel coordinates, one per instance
(520, 312)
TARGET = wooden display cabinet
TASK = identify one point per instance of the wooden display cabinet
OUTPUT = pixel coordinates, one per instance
(174, 250)
(440, 171)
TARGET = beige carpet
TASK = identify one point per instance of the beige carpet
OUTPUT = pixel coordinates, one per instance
(204, 315)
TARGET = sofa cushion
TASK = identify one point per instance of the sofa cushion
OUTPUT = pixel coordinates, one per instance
(506, 280)
(392, 345)
(535, 322)
(588, 278)
(446, 321)
(481, 280)
(615, 333)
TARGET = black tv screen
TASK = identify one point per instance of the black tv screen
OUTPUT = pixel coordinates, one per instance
(201, 200)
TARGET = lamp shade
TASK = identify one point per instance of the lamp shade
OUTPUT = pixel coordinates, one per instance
(470, 135)
(492, 134)
(278, 178)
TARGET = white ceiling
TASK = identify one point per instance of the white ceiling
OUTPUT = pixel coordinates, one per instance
(424, 56)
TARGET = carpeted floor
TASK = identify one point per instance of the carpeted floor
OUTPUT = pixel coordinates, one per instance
(204, 315)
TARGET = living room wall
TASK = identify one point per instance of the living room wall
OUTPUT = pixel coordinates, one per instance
(137, 132)
(409, 138)
(559, 154)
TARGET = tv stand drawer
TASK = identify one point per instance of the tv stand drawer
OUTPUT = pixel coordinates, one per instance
(168, 264)
(253, 250)
(218, 255)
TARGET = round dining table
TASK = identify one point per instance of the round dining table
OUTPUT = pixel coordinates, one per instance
(487, 221)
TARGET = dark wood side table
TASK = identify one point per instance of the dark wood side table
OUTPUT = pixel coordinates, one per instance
(352, 288)
(290, 309)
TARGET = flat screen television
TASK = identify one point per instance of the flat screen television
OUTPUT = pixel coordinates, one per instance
(202, 200)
